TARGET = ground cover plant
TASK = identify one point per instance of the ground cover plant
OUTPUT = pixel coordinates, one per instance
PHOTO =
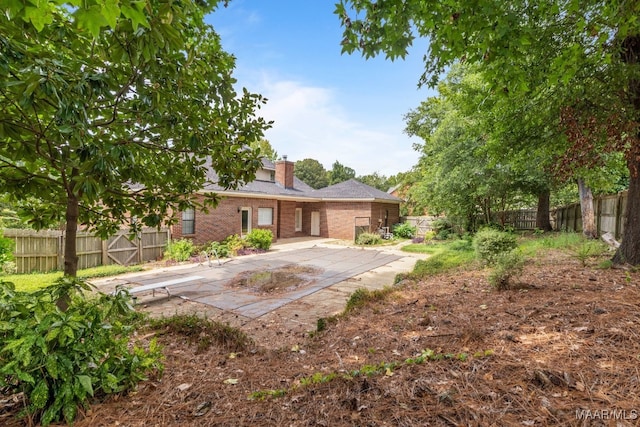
(442, 348)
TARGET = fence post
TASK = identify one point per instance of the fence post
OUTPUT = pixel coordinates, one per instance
(60, 250)
(105, 252)
(618, 214)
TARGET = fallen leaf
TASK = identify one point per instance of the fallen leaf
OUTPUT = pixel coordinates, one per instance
(184, 386)
(231, 381)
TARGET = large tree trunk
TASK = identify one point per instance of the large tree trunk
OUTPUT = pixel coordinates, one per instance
(70, 251)
(543, 222)
(629, 250)
(586, 207)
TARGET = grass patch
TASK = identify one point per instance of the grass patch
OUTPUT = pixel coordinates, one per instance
(362, 296)
(444, 256)
(34, 281)
(561, 240)
(202, 332)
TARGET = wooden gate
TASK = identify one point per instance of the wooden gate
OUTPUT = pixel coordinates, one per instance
(122, 249)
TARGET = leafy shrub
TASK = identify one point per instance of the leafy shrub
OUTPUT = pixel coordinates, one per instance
(489, 244)
(220, 249)
(233, 243)
(404, 230)
(260, 238)
(442, 228)
(59, 359)
(507, 265)
(368, 239)
(6, 254)
(461, 245)
(179, 250)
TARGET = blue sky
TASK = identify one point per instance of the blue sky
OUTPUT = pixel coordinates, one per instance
(325, 105)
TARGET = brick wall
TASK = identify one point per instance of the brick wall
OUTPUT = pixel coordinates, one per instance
(284, 173)
(287, 219)
(338, 219)
(225, 220)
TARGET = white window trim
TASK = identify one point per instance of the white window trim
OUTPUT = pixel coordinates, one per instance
(192, 220)
(262, 220)
(298, 219)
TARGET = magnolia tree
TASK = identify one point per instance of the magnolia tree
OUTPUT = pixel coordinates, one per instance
(586, 51)
(111, 112)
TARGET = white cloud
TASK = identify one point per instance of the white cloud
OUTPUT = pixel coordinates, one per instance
(311, 122)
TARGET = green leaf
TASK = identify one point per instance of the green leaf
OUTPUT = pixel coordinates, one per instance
(137, 17)
(111, 13)
(85, 381)
(39, 16)
(91, 18)
(40, 395)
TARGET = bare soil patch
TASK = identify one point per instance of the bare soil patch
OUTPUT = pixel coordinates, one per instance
(275, 281)
(560, 349)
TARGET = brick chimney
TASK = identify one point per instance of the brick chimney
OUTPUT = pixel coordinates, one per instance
(284, 172)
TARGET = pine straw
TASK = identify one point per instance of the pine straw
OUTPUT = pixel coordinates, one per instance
(565, 341)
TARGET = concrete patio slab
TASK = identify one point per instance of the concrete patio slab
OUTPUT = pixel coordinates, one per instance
(341, 270)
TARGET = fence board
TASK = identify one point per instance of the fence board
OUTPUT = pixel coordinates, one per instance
(421, 223)
(609, 212)
(42, 251)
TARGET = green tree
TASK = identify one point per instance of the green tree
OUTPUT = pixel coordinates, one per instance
(311, 172)
(340, 173)
(266, 150)
(111, 112)
(463, 172)
(590, 50)
(375, 180)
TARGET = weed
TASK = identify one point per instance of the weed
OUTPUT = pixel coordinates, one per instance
(587, 250)
(203, 332)
(605, 264)
(263, 394)
(321, 324)
(362, 296)
(382, 368)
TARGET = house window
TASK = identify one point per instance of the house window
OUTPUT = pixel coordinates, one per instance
(265, 216)
(189, 221)
(298, 219)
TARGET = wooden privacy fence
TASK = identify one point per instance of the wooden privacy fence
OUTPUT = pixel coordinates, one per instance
(523, 219)
(41, 251)
(608, 210)
(421, 223)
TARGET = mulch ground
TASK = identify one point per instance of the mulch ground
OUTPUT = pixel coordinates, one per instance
(561, 348)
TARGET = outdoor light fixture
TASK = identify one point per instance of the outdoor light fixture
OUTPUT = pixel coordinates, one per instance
(239, 209)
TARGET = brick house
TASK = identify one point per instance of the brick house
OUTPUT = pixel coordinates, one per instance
(278, 201)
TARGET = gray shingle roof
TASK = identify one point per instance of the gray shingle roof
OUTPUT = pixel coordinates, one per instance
(353, 189)
(348, 190)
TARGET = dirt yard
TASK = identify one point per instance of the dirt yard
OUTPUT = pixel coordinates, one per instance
(560, 349)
